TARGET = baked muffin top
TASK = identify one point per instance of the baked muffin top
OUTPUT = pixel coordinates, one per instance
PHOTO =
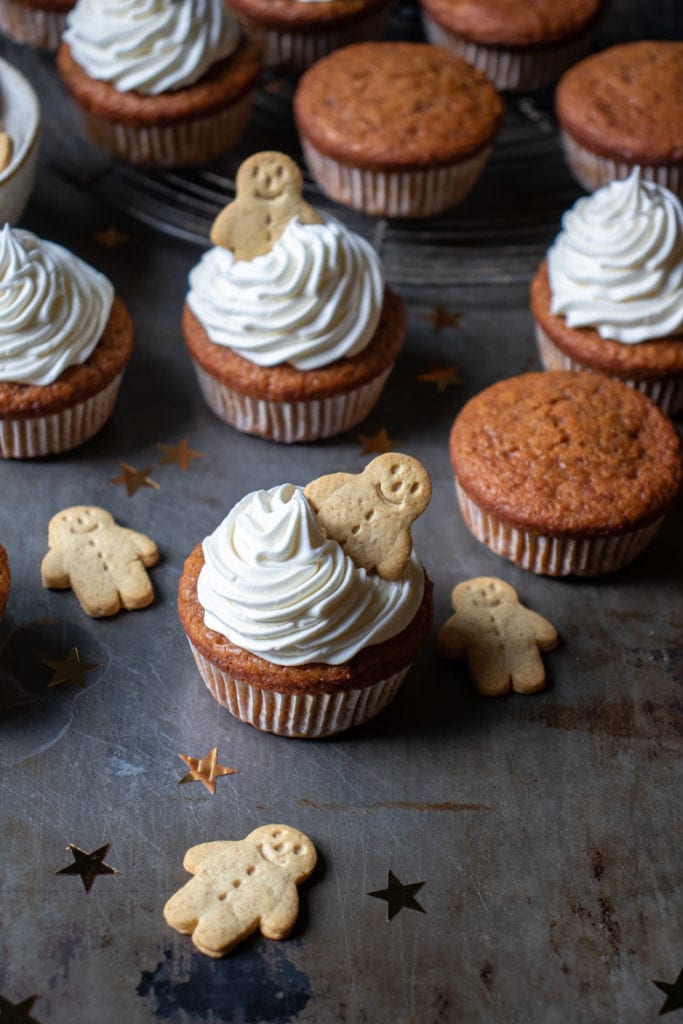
(292, 14)
(511, 23)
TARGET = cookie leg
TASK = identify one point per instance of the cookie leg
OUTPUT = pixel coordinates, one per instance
(134, 586)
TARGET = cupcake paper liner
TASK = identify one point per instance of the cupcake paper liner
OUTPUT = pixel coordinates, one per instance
(419, 192)
(59, 431)
(592, 171)
(511, 69)
(298, 50)
(289, 422)
(302, 715)
(23, 24)
(554, 556)
(666, 392)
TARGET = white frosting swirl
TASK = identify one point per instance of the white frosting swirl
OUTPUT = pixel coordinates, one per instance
(617, 264)
(315, 297)
(150, 46)
(274, 585)
(53, 308)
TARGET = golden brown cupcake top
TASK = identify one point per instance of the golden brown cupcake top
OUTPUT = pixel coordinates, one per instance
(5, 579)
(294, 15)
(394, 105)
(627, 100)
(567, 454)
(511, 23)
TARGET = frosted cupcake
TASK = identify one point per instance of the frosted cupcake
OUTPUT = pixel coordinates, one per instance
(609, 297)
(38, 23)
(159, 82)
(65, 340)
(295, 342)
(287, 631)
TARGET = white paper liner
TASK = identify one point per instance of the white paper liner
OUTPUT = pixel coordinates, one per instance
(303, 715)
(554, 556)
(171, 145)
(42, 29)
(592, 171)
(419, 192)
(666, 392)
(296, 51)
(289, 422)
(511, 69)
(59, 431)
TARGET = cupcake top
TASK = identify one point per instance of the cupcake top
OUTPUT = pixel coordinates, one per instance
(150, 46)
(53, 308)
(275, 585)
(617, 264)
(511, 23)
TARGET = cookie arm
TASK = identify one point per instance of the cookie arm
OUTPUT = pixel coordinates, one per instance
(52, 571)
(278, 922)
(145, 546)
(451, 640)
(543, 632)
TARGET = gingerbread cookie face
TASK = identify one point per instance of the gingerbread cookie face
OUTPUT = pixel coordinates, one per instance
(370, 514)
(498, 637)
(241, 886)
(268, 197)
(104, 564)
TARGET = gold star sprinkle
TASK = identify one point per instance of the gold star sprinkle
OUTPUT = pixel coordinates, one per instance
(180, 453)
(204, 770)
(17, 1013)
(70, 670)
(88, 866)
(111, 238)
(673, 992)
(441, 318)
(133, 479)
(398, 896)
(380, 442)
(442, 376)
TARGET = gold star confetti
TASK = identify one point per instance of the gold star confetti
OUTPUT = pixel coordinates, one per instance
(441, 318)
(70, 670)
(673, 992)
(111, 238)
(398, 896)
(133, 479)
(180, 453)
(205, 770)
(88, 865)
(442, 376)
(17, 1013)
(380, 442)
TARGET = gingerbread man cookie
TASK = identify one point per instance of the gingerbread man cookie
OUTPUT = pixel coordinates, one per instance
(498, 637)
(6, 150)
(104, 564)
(241, 886)
(370, 513)
(268, 197)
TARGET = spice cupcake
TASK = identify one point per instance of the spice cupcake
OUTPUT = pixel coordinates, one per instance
(621, 108)
(65, 341)
(289, 631)
(517, 45)
(407, 144)
(296, 33)
(565, 473)
(164, 83)
(610, 295)
(5, 579)
(38, 23)
(290, 327)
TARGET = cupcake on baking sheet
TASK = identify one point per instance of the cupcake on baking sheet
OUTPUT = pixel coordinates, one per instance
(296, 33)
(396, 129)
(565, 473)
(620, 108)
(517, 45)
(291, 329)
(163, 83)
(65, 340)
(5, 580)
(38, 23)
(609, 297)
(287, 630)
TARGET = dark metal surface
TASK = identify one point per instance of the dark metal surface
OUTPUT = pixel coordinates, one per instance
(546, 829)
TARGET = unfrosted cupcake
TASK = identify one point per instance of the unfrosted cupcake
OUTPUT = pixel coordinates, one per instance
(609, 297)
(159, 82)
(65, 340)
(287, 632)
(5, 579)
(38, 23)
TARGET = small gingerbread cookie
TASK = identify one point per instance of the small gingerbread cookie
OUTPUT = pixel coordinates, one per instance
(6, 150)
(268, 197)
(370, 513)
(498, 637)
(104, 564)
(241, 886)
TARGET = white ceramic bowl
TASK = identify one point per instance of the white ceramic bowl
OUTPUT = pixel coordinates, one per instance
(20, 117)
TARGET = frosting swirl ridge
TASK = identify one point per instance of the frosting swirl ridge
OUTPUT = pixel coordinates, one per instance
(53, 308)
(617, 264)
(273, 584)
